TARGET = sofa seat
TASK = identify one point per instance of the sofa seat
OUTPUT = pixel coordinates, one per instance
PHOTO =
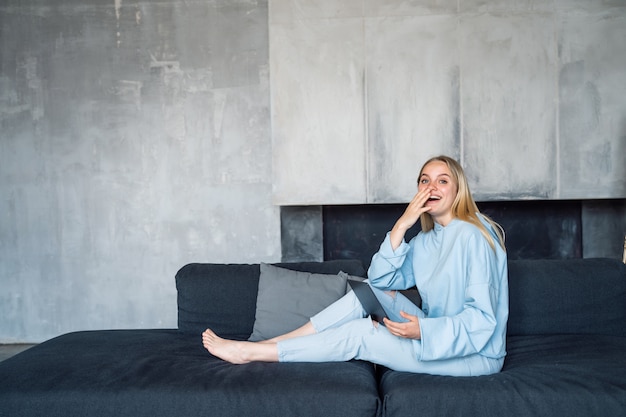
(543, 375)
(566, 358)
(168, 373)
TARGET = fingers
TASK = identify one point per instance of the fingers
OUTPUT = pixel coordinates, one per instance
(423, 194)
(421, 198)
(417, 204)
(410, 329)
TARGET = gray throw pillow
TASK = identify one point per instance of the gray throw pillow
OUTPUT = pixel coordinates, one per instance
(287, 299)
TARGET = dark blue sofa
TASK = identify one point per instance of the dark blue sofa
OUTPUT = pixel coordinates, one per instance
(566, 357)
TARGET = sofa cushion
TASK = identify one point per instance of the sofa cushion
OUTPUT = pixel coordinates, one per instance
(573, 296)
(543, 376)
(287, 299)
(155, 373)
(223, 297)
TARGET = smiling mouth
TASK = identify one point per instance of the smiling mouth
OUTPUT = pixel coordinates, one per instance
(434, 198)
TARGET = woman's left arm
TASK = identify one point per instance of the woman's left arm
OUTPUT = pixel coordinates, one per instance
(468, 331)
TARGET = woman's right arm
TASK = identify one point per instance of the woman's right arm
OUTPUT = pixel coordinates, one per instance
(391, 267)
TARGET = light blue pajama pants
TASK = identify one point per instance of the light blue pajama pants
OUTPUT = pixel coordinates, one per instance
(344, 334)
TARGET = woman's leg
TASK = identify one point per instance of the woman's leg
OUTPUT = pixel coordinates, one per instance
(358, 339)
(364, 340)
(341, 311)
(345, 309)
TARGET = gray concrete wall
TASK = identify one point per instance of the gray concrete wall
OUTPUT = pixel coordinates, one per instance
(134, 138)
(527, 94)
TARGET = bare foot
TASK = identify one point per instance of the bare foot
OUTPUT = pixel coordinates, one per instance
(239, 352)
(232, 351)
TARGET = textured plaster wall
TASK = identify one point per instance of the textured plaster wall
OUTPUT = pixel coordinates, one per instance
(134, 138)
(529, 95)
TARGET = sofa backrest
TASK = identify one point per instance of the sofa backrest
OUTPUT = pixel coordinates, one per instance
(573, 296)
(222, 297)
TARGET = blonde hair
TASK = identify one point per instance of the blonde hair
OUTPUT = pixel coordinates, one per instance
(464, 207)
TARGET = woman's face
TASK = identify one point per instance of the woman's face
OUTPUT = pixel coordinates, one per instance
(437, 178)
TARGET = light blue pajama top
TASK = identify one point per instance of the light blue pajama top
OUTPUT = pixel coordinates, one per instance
(464, 287)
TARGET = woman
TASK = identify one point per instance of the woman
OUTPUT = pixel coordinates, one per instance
(458, 263)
